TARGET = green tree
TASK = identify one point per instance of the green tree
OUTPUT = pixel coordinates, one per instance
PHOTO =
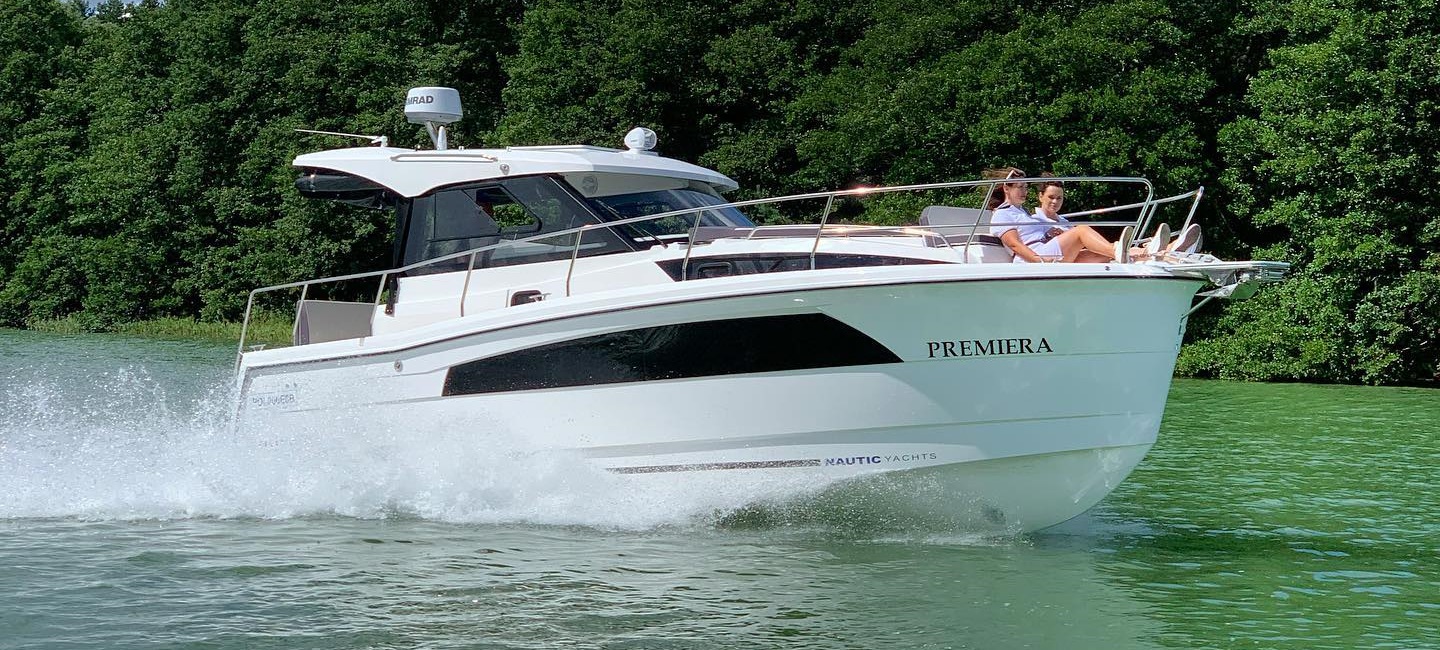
(943, 90)
(1336, 163)
(155, 179)
(321, 65)
(66, 184)
(35, 41)
(713, 79)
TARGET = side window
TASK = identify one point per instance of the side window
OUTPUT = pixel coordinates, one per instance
(457, 215)
(455, 220)
(459, 219)
(502, 210)
(513, 218)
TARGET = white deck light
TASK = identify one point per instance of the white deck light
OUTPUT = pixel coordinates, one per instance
(641, 140)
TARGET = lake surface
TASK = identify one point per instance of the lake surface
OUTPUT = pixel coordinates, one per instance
(1272, 516)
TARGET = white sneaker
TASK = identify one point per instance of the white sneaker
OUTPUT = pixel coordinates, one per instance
(1160, 242)
(1189, 240)
(1122, 245)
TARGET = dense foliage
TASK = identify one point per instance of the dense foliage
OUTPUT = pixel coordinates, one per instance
(144, 148)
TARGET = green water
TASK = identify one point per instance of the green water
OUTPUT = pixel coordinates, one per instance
(1270, 516)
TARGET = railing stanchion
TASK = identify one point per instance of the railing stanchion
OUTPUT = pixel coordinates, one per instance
(690, 246)
(985, 214)
(465, 288)
(819, 232)
(1199, 193)
(299, 307)
(244, 329)
(380, 293)
(574, 255)
(1143, 221)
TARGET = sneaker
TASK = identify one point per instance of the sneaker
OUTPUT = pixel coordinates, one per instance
(1159, 243)
(1188, 241)
(1122, 245)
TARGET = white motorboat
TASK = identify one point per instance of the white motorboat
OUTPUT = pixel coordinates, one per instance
(610, 303)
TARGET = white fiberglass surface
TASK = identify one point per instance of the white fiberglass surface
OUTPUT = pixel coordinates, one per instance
(1087, 377)
(1139, 309)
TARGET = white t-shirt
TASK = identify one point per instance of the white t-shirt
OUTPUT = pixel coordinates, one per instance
(1058, 222)
(1030, 227)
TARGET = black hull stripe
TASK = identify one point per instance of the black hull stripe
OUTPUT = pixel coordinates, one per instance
(700, 268)
(705, 467)
(708, 348)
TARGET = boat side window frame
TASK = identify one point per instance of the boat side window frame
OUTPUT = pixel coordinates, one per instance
(636, 233)
(568, 211)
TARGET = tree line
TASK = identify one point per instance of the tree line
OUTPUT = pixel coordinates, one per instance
(145, 148)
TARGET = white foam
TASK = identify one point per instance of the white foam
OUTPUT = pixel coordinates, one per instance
(120, 447)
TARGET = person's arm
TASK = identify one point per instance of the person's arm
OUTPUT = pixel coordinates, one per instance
(1011, 239)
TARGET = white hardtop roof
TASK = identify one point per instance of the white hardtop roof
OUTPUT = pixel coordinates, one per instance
(411, 172)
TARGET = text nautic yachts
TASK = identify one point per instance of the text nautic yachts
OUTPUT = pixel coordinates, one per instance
(990, 347)
(876, 460)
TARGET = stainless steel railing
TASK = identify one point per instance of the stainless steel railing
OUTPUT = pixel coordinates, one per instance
(1146, 213)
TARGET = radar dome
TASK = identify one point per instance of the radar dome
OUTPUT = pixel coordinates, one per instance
(433, 105)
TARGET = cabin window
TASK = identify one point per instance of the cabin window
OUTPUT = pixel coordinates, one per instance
(457, 219)
(625, 196)
(466, 216)
(680, 351)
(699, 268)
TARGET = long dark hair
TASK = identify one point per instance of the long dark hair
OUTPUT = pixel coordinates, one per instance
(997, 195)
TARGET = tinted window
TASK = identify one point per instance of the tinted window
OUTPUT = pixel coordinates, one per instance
(702, 349)
(458, 219)
(457, 216)
(725, 266)
(695, 195)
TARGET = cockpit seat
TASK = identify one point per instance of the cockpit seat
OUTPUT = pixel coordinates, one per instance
(957, 227)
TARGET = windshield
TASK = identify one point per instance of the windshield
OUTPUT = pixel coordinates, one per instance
(693, 195)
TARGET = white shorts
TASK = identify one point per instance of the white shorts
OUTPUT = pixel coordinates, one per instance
(1046, 249)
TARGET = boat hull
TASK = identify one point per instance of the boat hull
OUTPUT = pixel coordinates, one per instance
(1006, 495)
(1013, 404)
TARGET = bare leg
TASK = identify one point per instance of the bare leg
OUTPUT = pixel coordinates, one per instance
(1084, 238)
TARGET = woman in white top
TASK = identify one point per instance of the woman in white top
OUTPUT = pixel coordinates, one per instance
(1052, 198)
(1042, 237)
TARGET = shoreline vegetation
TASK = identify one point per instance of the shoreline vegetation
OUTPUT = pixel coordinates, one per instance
(267, 328)
(146, 145)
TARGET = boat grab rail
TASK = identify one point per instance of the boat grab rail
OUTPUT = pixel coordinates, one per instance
(1195, 194)
(1147, 208)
